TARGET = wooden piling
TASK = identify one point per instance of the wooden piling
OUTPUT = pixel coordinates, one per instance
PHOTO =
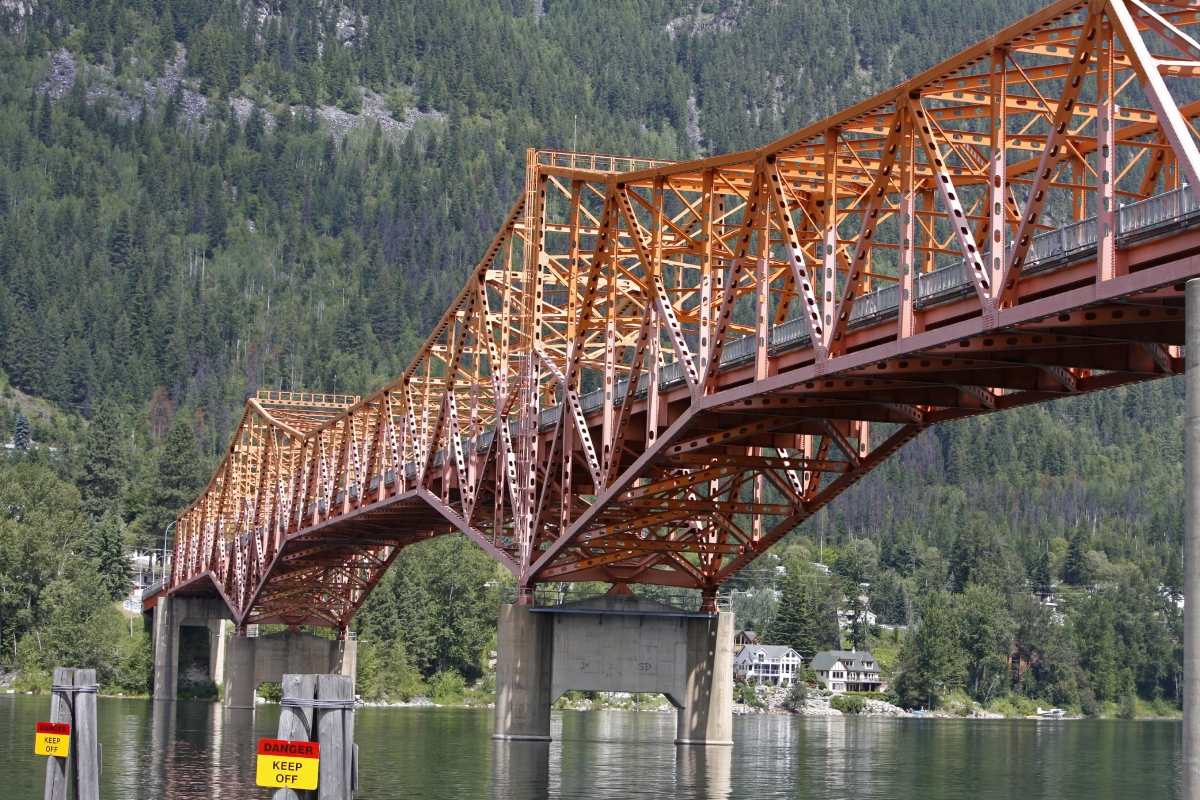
(60, 711)
(85, 743)
(320, 708)
(74, 702)
(335, 731)
(296, 722)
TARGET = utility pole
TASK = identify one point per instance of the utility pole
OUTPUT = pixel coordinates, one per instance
(1191, 551)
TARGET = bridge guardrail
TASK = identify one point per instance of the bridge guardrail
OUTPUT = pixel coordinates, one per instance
(597, 163)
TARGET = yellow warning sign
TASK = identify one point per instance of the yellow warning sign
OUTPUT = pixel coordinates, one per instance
(52, 739)
(284, 764)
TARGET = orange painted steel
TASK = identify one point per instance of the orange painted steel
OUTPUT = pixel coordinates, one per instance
(660, 369)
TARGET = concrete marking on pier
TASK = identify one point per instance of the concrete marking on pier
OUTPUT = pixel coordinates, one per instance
(52, 739)
(284, 764)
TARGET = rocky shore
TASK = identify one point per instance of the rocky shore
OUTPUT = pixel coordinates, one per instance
(776, 700)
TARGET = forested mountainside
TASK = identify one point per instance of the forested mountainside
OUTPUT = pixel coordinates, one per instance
(199, 199)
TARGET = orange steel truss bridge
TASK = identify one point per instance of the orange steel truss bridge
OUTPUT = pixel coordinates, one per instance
(658, 369)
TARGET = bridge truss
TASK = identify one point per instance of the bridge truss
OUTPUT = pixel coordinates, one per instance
(658, 370)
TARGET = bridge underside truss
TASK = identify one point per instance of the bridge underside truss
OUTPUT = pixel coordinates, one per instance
(659, 369)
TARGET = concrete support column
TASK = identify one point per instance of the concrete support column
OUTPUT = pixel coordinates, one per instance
(1191, 553)
(615, 643)
(524, 674)
(168, 616)
(217, 667)
(166, 650)
(706, 718)
(240, 680)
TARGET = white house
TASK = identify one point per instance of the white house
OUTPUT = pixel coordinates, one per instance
(848, 671)
(777, 665)
(846, 618)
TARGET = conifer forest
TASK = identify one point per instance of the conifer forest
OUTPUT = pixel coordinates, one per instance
(202, 199)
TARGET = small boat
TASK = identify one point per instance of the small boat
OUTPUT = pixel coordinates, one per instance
(1051, 713)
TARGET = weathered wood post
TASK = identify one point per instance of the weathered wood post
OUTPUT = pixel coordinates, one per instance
(74, 702)
(295, 721)
(335, 730)
(320, 708)
(60, 711)
(85, 746)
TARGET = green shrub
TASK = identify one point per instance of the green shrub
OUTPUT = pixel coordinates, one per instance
(271, 692)
(744, 693)
(848, 703)
(30, 680)
(385, 672)
(1128, 708)
(797, 695)
(447, 687)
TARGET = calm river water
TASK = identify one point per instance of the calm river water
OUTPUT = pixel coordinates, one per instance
(193, 750)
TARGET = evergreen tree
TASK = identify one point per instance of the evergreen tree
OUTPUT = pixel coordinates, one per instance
(1075, 569)
(888, 598)
(860, 631)
(216, 215)
(976, 556)
(180, 475)
(1041, 571)
(794, 624)
(106, 548)
(986, 634)
(102, 475)
(1173, 574)
(931, 658)
(21, 440)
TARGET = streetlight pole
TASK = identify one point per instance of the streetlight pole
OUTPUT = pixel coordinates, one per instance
(164, 553)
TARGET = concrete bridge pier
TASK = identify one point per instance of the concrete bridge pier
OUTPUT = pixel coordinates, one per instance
(168, 618)
(254, 660)
(615, 643)
(239, 663)
(1191, 552)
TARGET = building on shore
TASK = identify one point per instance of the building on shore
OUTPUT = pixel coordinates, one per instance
(777, 665)
(745, 637)
(848, 671)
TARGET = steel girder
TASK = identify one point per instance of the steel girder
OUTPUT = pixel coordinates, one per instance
(660, 369)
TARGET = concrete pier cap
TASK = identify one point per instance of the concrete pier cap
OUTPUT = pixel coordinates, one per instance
(615, 643)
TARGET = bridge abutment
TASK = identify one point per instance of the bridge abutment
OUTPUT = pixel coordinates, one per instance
(615, 643)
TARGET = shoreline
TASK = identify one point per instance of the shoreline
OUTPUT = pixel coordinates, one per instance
(773, 699)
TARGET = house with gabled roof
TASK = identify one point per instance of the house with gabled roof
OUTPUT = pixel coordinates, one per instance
(848, 671)
(745, 637)
(777, 665)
